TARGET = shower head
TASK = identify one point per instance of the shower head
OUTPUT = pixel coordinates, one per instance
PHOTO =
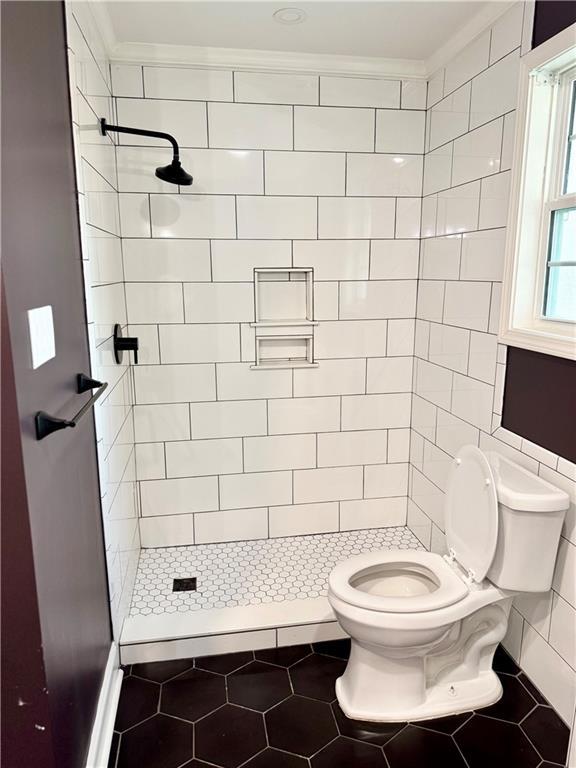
(173, 173)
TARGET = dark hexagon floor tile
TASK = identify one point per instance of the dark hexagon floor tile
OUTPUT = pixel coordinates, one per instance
(338, 648)
(418, 747)
(273, 758)
(161, 742)
(113, 750)
(503, 662)
(532, 690)
(316, 676)
(301, 726)
(515, 703)
(138, 700)
(448, 724)
(284, 656)
(230, 736)
(487, 742)
(160, 671)
(225, 663)
(258, 686)
(364, 730)
(345, 753)
(193, 694)
(548, 733)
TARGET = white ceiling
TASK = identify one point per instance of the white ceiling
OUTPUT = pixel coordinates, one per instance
(387, 28)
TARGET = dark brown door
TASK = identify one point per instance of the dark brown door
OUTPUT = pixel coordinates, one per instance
(41, 265)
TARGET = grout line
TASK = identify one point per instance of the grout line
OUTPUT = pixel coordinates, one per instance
(466, 763)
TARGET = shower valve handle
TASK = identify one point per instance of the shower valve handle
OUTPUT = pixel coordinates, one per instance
(124, 344)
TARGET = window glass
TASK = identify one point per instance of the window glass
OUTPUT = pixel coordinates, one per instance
(560, 293)
(570, 171)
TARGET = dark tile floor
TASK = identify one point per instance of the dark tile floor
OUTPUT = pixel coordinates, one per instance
(277, 709)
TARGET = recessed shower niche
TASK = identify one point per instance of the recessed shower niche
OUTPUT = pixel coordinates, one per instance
(284, 317)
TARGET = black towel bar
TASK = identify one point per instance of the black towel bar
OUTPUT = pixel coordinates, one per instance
(46, 424)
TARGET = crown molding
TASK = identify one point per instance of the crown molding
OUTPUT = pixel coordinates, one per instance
(477, 24)
(287, 61)
(101, 17)
(266, 61)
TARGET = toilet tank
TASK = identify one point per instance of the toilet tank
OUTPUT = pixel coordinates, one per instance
(530, 517)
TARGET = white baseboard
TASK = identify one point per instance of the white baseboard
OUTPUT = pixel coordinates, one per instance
(103, 728)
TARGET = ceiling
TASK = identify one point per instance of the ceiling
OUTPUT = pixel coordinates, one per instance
(386, 29)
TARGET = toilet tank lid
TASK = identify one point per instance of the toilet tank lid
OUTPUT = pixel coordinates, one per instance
(520, 489)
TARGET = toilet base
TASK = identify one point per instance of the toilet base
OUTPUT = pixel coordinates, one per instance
(440, 700)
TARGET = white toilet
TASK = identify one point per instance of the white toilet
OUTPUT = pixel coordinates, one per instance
(424, 627)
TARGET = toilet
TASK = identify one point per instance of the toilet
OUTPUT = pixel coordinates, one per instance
(424, 627)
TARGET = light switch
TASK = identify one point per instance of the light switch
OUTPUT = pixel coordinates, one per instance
(41, 327)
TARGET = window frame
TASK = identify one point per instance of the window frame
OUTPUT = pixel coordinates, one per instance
(538, 167)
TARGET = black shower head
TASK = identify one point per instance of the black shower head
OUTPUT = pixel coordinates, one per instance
(174, 174)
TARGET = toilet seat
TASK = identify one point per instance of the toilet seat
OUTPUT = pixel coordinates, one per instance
(449, 587)
(471, 508)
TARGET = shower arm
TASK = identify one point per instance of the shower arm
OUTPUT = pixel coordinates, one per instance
(106, 127)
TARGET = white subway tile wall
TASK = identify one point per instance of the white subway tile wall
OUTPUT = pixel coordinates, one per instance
(98, 202)
(459, 367)
(289, 170)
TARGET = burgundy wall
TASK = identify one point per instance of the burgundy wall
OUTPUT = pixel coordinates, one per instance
(540, 390)
(540, 400)
(56, 484)
(551, 17)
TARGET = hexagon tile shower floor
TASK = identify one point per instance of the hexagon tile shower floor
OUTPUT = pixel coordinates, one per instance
(252, 572)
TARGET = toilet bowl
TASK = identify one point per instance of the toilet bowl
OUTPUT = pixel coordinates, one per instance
(424, 627)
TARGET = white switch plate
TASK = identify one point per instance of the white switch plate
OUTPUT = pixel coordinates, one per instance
(41, 327)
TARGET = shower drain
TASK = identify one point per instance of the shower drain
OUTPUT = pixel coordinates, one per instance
(184, 585)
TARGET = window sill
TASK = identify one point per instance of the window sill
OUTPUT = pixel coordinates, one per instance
(538, 341)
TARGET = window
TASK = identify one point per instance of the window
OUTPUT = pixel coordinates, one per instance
(539, 292)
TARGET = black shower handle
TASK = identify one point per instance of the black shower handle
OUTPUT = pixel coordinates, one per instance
(124, 344)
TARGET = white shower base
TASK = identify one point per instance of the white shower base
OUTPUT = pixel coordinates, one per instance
(250, 594)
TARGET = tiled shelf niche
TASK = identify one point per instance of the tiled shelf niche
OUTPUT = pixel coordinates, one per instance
(285, 351)
(284, 317)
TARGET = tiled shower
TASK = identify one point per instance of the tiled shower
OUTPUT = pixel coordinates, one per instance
(391, 194)
(254, 453)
